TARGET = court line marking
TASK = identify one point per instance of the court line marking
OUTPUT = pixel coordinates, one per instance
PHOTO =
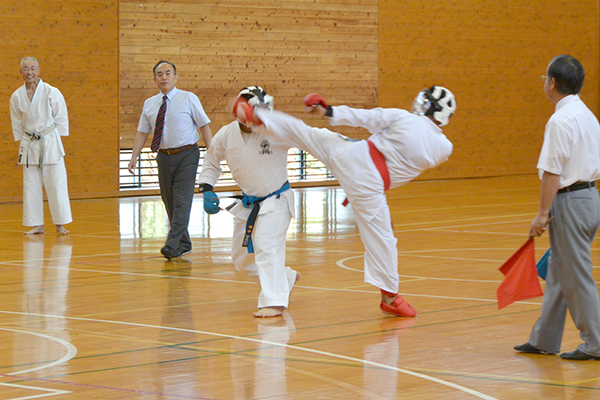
(445, 221)
(285, 345)
(54, 392)
(340, 263)
(71, 350)
(298, 286)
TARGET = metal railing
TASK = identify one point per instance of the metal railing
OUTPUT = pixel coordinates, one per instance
(302, 167)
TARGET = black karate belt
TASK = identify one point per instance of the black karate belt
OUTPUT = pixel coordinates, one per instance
(577, 186)
(250, 226)
(254, 202)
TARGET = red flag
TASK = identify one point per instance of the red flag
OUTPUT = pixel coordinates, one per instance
(520, 277)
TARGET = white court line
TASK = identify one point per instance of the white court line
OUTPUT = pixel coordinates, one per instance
(304, 349)
(421, 223)
(441, 228)
(71, 351)
(53, 392)
(418, 295)
(463, 207)
(341, 264)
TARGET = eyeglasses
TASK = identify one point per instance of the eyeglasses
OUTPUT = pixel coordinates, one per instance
(545, 77)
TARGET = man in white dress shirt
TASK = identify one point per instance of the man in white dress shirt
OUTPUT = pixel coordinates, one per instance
(403, 145)
(258, 164)
(177, 152)
(569, 165)
(39, 118)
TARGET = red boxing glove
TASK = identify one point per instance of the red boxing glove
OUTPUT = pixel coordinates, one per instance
(314, 99)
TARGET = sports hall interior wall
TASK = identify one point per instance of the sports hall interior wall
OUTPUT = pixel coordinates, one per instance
(363, 53)
(76, 43)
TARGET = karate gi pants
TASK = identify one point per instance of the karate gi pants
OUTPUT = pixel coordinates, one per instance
(352, 165)
(569, 281)
(52, 177)
(268, 260)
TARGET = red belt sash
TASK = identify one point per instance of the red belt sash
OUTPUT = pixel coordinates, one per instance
(380, 164)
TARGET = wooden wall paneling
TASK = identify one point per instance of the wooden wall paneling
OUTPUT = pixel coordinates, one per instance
(76, 42)
(361, 53)
(291, 48)
(491, 55)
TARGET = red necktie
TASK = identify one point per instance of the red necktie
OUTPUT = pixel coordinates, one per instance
(160, 122)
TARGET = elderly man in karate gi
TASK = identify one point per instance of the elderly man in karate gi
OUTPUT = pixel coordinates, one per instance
(258, 164)
(402, 145)
(39, 118)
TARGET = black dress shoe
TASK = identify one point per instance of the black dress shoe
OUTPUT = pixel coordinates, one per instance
(527, 348)
(183, 252)
(170, 252)
(578, 356)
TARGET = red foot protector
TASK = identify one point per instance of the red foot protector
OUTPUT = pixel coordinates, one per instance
(314, 99)
(399, 307)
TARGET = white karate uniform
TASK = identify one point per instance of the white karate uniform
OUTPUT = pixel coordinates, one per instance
(259, 166)
(43, 159)
(410, 143)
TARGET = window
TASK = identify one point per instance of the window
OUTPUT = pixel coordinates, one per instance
(302, 167)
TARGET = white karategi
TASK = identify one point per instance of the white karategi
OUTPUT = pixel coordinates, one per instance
(38, 124)
(258, 164)
(410, 143)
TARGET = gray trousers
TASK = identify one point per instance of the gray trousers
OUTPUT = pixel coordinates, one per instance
(177, 179)
(569, 282)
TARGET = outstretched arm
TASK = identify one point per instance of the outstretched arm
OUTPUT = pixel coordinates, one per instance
(375, 120)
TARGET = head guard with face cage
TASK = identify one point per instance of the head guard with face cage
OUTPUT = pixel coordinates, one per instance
(436, 102)
(257, 97)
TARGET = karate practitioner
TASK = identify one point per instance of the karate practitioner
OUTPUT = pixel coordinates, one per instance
(258, 164)
(39, 118)
(403, 145)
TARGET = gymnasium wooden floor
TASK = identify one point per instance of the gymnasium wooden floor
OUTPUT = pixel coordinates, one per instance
(100, 314)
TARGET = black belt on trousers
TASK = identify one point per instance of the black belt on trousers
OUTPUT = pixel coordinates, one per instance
(577, 186)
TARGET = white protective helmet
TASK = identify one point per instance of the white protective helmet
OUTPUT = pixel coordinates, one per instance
(436, 102)
(257, 97)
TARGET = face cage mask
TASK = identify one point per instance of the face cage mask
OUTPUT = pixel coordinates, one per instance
(421, 104)
(257, 97)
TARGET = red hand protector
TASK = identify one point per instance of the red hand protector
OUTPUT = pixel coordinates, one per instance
(314, 99)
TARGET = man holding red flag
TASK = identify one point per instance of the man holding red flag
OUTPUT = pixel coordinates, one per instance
(569, 165)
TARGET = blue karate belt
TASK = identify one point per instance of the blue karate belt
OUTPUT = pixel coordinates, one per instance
(254, 202)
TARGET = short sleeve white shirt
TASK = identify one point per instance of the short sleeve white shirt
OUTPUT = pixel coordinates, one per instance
(183, 118)
(571, 146)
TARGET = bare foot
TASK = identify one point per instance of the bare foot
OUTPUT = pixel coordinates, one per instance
(269, 312)
(61, 230)
(37, 230)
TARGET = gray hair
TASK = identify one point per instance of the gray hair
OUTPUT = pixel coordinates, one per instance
(29, 59)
